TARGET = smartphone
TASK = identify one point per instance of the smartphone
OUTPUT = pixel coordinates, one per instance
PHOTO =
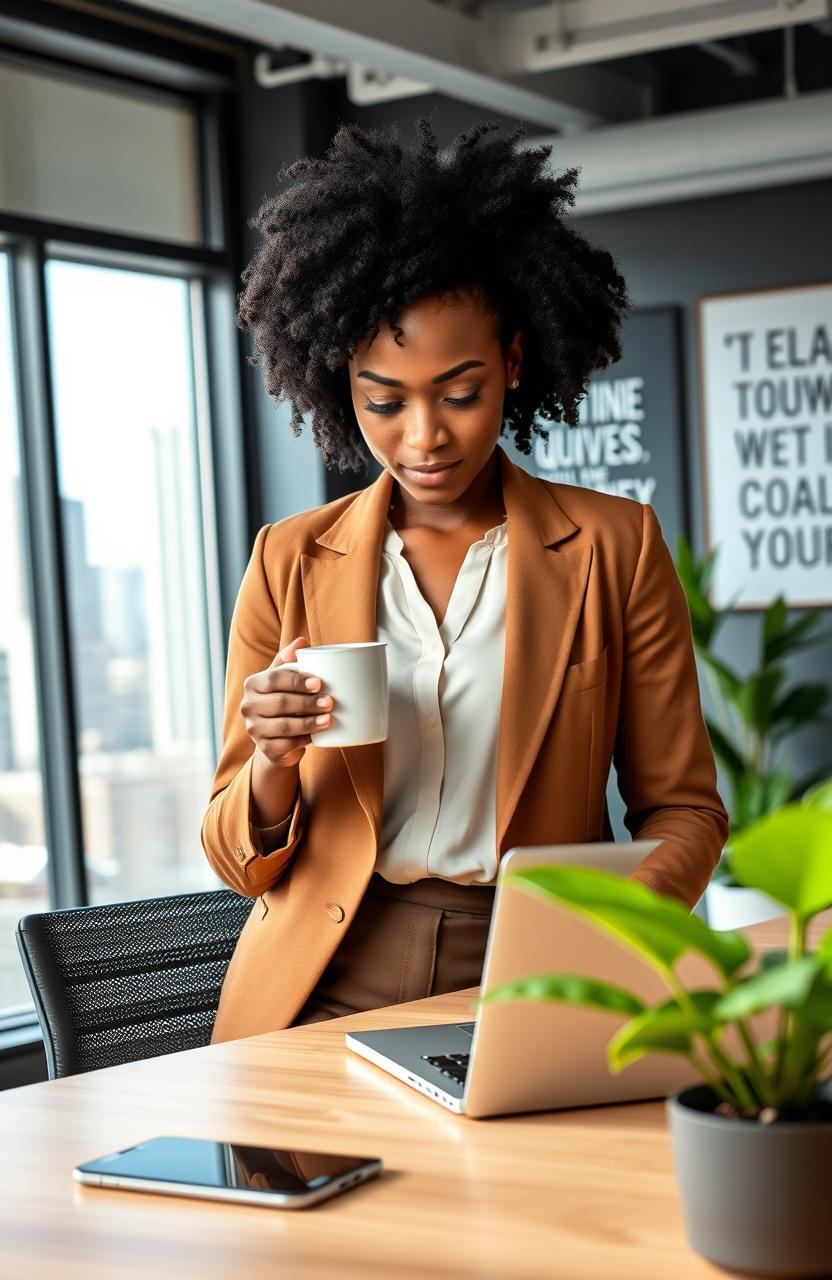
(276, 1177)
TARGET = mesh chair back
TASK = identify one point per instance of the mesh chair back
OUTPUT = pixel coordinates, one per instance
(130, 980)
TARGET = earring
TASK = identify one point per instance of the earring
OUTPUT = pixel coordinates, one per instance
(515, 384)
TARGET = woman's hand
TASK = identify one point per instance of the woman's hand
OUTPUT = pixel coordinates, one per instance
(282, 709)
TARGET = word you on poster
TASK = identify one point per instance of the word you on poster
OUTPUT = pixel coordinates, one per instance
(606, 450)
(767, 437)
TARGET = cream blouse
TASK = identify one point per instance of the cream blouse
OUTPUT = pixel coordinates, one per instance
(440, 756)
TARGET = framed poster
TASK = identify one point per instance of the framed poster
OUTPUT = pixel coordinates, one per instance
(630, 438)
(765, 381)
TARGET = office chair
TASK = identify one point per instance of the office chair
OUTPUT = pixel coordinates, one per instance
(129, 980)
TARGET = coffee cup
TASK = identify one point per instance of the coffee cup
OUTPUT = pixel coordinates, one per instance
(356, 676)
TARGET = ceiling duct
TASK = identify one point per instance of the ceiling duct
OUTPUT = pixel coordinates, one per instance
(699, 153)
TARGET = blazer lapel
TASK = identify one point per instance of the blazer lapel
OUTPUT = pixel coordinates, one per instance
(339, 595)
(544, 599)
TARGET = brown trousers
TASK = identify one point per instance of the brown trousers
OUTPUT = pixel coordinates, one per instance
(407, 941)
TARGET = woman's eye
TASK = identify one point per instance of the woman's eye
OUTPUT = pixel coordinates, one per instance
(389, 406)
(393, 406)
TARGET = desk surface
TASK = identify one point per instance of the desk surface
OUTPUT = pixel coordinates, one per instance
(572, 1194)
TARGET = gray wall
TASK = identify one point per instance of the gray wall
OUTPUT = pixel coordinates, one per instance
(673, 253)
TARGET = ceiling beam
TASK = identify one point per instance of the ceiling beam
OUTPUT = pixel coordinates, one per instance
(426, 42)
(772, 142)
(572, 33)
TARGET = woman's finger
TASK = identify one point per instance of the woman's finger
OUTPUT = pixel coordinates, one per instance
(287, 727)
(287, 653)
(267, 705)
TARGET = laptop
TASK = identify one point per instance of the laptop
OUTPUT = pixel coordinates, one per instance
(534, 1056)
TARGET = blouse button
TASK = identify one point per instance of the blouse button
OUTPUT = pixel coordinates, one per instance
(335, 912)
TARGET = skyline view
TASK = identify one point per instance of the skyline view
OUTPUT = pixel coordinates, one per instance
(131, 521)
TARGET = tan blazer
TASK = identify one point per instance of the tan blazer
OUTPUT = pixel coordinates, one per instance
(599, 668)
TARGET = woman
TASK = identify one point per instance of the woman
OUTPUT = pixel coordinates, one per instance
(417, 305)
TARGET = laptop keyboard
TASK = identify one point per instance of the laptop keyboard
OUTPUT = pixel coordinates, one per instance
(452, 1065)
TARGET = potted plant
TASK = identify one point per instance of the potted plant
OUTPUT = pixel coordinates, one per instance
(754, 716)
(753, 1142)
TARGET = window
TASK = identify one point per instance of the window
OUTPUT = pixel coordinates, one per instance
(122, 380)
(23, 884)
(98, 155)
(119, 385)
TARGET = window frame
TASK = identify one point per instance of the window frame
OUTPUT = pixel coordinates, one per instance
(211, 271)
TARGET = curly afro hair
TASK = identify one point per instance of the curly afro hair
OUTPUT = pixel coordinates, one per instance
(373, 227)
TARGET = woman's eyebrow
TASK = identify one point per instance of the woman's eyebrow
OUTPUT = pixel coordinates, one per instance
(440, 377)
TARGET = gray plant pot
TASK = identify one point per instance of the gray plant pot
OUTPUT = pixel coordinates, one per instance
(756, 1198)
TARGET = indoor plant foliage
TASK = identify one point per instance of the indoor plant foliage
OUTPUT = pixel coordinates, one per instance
(754, 713)
(753, 1146)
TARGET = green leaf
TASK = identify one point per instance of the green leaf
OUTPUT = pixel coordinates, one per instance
(775, 620)
(568, 989)
(706, 569)
(812, 780)
(768, 1048)
(757, 695)
(670, 1028)
(824, 951)
(788, 855)
(756, 794)
(818, 1008)
(694, 576)
(778, 787)
(804, 704)
(703, 619)
(799, 635)
(724, 750)
(728, 608)
(657, 928)
(729, 682)
(787, 984)
(819, 796)
(771, 959)
(750, 800)
(686, 566)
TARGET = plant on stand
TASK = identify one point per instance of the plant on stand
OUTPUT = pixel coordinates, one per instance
(753, 1142)
(754, 716)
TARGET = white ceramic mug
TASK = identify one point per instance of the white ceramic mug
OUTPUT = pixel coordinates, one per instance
(356, 676)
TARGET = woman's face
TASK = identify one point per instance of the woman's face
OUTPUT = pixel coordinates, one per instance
(431, 392)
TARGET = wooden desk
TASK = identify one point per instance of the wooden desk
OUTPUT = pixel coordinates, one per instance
(588, 1194)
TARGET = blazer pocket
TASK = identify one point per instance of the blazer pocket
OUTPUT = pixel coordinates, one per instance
(586, 675)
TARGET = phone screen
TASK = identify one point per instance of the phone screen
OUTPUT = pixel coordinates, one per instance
(226, 1165)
